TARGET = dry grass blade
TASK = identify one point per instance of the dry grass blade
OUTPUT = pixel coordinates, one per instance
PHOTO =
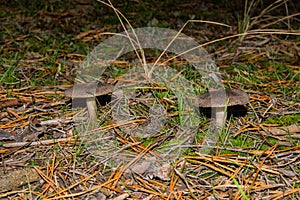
(176, 36)
(141, 57)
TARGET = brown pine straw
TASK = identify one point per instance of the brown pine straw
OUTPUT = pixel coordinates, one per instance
(270, 151)
(217, 160)
(280, 195)
(49, 177)
(58, 195)
(27, 97)
(173, 181)
(220, 162)
(135, 145)
(120, 172)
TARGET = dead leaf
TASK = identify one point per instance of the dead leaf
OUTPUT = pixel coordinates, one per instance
(18, 178)
(284, 130)
(10, 103)
(6, 135)
(121, 197)
(163, 172)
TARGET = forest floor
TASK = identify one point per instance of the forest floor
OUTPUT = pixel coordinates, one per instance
(48, 151)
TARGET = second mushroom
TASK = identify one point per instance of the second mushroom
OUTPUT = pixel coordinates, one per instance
(89, 92)
(219, 100)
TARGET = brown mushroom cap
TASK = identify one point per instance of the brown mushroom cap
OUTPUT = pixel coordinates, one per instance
(87, 90)
(233, 97)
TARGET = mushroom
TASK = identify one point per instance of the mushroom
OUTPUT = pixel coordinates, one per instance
(218, 100)
(89, 91)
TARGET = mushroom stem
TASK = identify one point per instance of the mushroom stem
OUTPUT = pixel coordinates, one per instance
(92, 107)
(220, 116)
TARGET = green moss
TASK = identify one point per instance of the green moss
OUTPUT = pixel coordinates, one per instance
(285, 120)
